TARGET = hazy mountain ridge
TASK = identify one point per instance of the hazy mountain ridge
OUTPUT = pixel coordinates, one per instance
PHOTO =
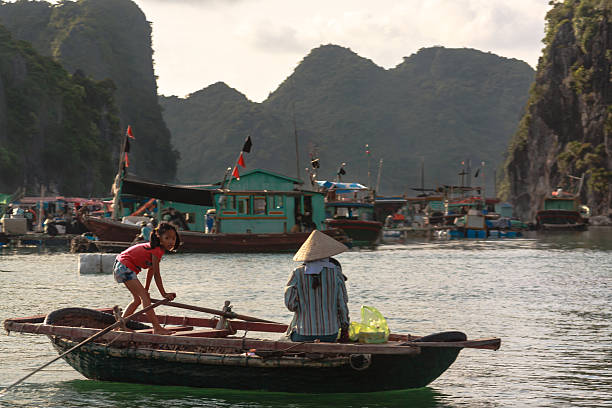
(442, 104)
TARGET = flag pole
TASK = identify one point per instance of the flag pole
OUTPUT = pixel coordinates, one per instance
(118, 183)
(246, 148)
(233, 170)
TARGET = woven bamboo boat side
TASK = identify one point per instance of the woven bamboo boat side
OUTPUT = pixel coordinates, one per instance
(283, 374)
(199, 355)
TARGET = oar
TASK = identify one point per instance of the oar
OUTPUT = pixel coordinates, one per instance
(230, 315)
(89, 339)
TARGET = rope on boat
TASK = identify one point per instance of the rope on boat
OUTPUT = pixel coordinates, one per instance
(366, 361)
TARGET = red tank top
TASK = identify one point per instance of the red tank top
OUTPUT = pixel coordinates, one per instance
(140, 256)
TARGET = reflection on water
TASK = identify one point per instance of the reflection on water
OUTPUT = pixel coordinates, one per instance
(548, 296)
(115, 394)
(596, 238)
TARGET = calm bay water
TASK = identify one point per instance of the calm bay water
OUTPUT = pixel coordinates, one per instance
(549, 297)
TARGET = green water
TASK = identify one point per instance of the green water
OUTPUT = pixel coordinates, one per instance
(549, 297)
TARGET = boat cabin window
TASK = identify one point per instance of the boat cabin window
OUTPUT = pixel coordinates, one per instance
(342, 212)
(243, 205)
(366, 215)
(259, 205)
(278, 202)
(228, 202)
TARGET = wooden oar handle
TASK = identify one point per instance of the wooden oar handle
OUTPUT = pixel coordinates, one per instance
(230, 315)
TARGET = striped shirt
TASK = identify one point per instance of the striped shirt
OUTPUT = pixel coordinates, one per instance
(321, 311)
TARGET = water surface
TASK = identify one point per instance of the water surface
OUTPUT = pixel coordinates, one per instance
(549, 297)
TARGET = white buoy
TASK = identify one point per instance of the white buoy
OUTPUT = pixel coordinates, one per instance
(96, 263)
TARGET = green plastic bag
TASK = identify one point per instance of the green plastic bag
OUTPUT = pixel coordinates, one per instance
(372, 329)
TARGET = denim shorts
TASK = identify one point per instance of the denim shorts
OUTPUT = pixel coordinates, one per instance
(122, 273)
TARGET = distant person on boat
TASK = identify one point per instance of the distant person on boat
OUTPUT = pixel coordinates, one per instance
(145, 231)
(210, 221)
(146, 256)
(316, 292)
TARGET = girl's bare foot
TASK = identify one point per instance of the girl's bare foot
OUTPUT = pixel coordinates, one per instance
(161, 330)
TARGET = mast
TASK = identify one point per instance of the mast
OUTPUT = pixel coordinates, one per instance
(297, 150)
(380, 163)
(295, 134)
(118, 184)
(367, 146)
(469, 173)
(484, 183)
(495, 183)
(422, 174)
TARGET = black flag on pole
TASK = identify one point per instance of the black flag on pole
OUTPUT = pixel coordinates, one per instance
(247, 145)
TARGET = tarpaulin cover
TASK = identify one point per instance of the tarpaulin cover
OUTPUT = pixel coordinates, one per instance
(341, 186)
(168, 192)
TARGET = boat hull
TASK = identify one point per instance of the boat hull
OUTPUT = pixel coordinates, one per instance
(361, 233)
(560, 220)
(109, 230)
(384, 372)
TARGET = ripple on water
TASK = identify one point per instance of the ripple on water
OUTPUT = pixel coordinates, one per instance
(548, 297)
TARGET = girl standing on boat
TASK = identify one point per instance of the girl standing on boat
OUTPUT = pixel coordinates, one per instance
(146, 256)
(316, 292)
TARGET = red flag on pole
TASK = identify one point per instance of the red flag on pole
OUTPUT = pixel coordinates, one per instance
(127, 161)
(241, 160)
(235, 173)
(129, 132)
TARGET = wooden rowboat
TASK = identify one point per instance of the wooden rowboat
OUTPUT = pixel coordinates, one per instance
(200, 355)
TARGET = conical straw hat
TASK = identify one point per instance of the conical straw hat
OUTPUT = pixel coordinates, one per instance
(318, 246)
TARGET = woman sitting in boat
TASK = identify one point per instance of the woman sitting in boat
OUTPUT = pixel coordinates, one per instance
(316, 292)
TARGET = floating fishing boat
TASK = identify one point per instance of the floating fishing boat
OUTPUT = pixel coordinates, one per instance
(350, 207)
(193, 241)
(199, 354)
(562, 212)
(264, 212)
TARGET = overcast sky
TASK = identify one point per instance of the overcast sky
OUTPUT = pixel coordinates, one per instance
(253, 45)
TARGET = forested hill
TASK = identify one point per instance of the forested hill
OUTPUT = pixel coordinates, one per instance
(567, 129)
(104, 39)
(56, 130)
(443, 105)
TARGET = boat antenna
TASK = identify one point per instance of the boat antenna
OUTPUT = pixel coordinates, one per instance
(469, 173)
(484, 183)
(380, 163)
(367, 146)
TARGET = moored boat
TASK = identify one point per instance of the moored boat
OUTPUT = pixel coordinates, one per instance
(264, 212)
(200, 355)
(561, 212)
(193, 241)
(350, 207)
